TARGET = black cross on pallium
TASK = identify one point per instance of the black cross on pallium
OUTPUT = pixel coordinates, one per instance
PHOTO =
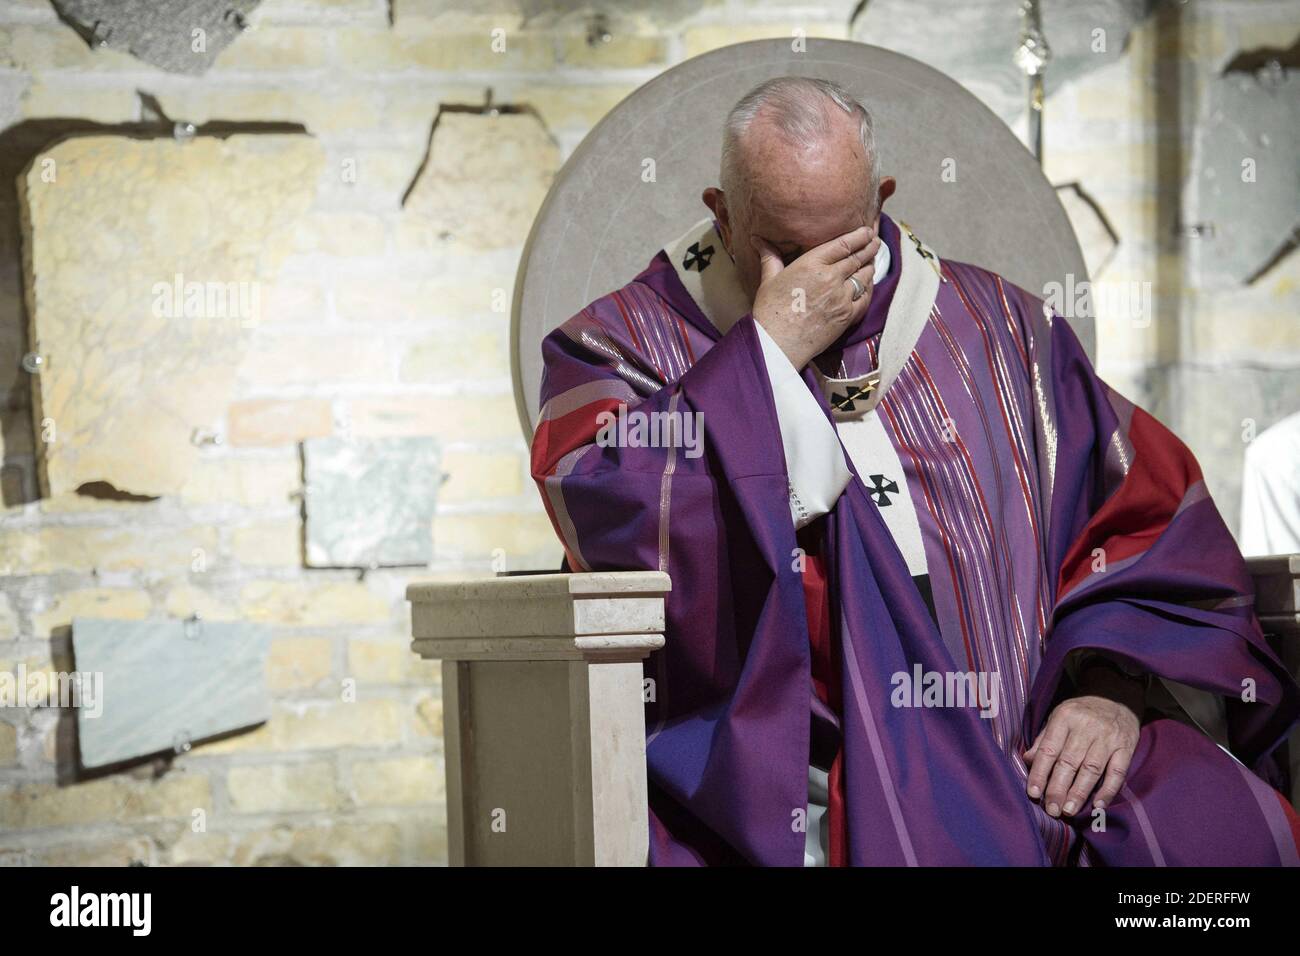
(853, 393)
(697, 258)
(925, 253)
(881, 488)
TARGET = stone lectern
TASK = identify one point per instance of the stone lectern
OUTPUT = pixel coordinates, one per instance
(543, 713)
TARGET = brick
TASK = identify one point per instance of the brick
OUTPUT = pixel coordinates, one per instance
(268, 543)
(275, 48)
(290, 301)
(248, 481)
(299, 663)
(702, 39)
(369, 723)
(473, 476)
(402, 781)
(453, 44)
(364, 723)
(72, 502)
(319, 113)
(117, 603)
(479, 535)
(573, 106)
(280, 788)
(424, 835)
(276, 422)
(293, 359)
(448, 357)
(377, 662)
(100, 105)
(363, 844)
(341, 234)
(115, 853)
(185, 600)
(88, 548)
(257, 740)
(457, 298)
(622, 51)
(422, 672)
(428, 717)
(202, 849)
(36, 48)
(108, 799)
(302, 603)
(382, 173)
(1115, 92)
(412, 111)
(1125, 163)
(476, 418)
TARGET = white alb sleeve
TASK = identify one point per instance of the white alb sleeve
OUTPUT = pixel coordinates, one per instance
(814, 457)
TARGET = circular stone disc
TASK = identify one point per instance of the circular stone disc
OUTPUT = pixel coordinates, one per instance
(634, 183)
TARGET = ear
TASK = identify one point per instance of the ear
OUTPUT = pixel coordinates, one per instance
(716, 200)
(887, 186)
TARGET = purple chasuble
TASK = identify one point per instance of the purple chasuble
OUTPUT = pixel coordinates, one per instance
(1012, 466)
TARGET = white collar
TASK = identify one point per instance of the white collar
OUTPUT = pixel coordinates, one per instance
(709, 275)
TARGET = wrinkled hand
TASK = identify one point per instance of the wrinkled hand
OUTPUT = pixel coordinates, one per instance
(1084, 738)
(808, 304)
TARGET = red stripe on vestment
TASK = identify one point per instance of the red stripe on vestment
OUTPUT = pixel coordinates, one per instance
(556, 437)
(825, 677)
(1161, 472)
(1292, 819)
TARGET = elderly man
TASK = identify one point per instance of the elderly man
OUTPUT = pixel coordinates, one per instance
(939, 595)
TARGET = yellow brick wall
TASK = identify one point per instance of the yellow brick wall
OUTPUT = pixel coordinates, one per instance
(381, 326)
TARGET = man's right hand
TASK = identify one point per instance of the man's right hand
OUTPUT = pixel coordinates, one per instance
(808, 304)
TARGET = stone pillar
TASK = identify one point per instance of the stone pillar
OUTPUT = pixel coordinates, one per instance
(543, 714)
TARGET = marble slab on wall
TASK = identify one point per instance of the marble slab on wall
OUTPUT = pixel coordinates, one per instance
(370, 502)
(167, 683)
(975, 41)
(1244, 192)
(145, 264)
(182, 36)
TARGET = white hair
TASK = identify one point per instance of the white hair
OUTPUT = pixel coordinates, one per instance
(797, 106)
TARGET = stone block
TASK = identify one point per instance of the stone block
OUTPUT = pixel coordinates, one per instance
(370, 502)
(188, 232)
(167, 683)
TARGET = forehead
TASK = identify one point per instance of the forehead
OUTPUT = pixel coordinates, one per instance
(807, 195)
(807, 219)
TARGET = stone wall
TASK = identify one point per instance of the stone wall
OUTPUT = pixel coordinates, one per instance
(385, 313)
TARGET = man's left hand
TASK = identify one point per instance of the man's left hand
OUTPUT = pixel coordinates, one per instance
(1084, 738)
